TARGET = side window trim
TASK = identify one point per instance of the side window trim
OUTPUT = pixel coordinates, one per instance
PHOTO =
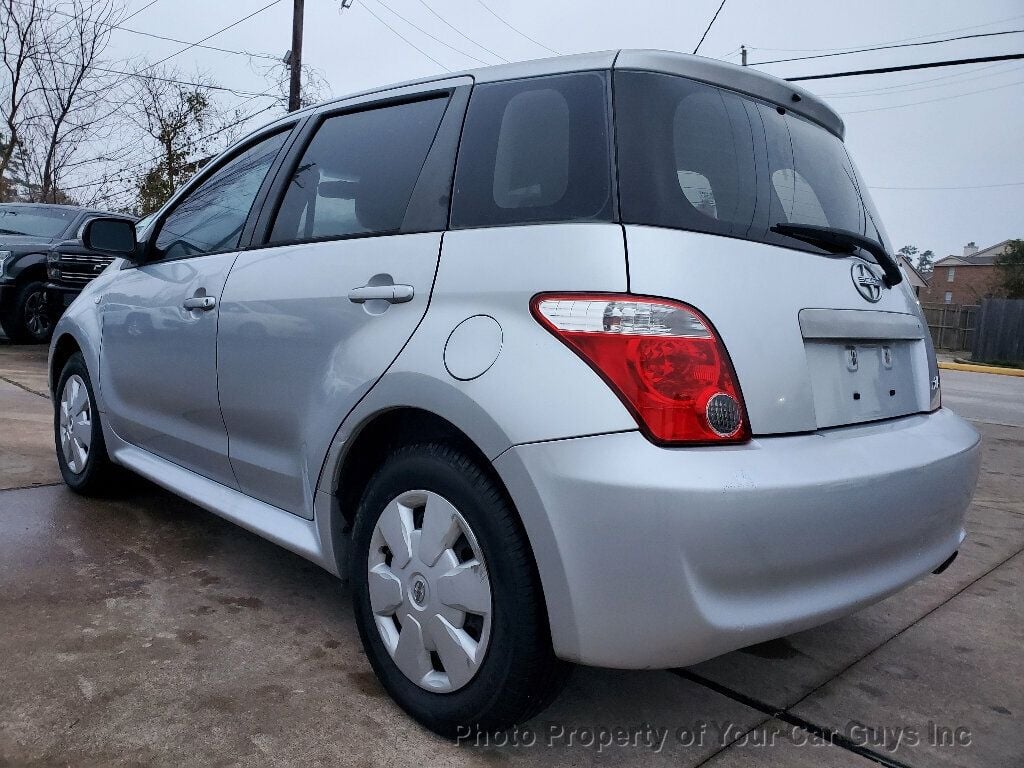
(205, 173)
(265, 194)
(430, 205)
(289, 160)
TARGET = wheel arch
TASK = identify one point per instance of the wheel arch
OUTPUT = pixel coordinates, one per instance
(28, 266)
(381, 433)
(63, 348)
(369, 443)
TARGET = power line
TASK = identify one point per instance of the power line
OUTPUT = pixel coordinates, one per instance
(406, 39)
(908, 67)
(710, 25)
(884, 42)
(190, 46)
(155, 36)
(460, 33)
(136, 13)
(248, 54)
(931, 101)
(889, 47)
(428, 34)
(123, 104)
(916, 85)
(978, 186)
(516, 29)
(141, 75)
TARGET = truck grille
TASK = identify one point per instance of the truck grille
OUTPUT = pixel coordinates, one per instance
(76, 269)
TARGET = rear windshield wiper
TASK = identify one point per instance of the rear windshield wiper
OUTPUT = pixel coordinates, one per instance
(844, 241)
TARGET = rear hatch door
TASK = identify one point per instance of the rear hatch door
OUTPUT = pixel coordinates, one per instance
(816, 338)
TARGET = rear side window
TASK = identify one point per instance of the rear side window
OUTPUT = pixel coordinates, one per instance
(686, 155)
(535, 150)
(358, 173)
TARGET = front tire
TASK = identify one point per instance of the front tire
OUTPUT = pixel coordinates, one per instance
(27, 320)
(447, 597)
(78, 434)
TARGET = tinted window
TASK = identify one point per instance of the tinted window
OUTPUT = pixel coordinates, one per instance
(692, 156)
(209, 219)
(535, 150)
(812, 177)
(358, 173)
(686, 155)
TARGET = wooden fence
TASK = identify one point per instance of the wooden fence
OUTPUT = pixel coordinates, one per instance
(1000, 332)
(952, 325)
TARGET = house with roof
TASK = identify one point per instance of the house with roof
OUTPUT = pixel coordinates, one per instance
(914, 277)
(965, 279)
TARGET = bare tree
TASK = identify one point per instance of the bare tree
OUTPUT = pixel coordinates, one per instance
(71, 97)
(21, 26)
(54, 103)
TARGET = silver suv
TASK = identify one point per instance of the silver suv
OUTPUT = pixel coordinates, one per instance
(602, 359)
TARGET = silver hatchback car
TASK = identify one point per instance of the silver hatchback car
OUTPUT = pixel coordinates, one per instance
(601, 359)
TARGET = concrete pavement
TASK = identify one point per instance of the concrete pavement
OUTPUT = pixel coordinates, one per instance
(26, 421)
(140, 629)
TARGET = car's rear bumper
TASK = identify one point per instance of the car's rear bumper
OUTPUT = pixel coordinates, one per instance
(654, 557)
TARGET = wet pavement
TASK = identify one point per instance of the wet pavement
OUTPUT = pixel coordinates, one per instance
(139, 629)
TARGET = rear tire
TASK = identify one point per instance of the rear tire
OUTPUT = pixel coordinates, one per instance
(27, 319)
(78, 434)
(510, 672)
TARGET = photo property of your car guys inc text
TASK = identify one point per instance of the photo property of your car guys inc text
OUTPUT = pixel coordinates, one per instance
(443, 382)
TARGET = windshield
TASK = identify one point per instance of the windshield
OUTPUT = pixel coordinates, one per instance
(696, 157)
(35, 221)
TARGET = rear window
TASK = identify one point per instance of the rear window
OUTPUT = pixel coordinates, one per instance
(533, 151)
(35, 222)
(696, 157)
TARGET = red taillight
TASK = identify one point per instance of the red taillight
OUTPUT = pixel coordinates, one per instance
(661, 358)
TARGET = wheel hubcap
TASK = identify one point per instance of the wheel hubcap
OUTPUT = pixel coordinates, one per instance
(429, 591)
(75, 426)
(37, 319)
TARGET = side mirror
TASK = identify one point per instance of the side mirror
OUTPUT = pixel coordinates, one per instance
(112, 236)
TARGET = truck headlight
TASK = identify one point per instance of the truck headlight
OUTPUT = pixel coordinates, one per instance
(4, 256)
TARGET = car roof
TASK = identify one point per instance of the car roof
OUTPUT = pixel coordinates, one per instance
(712, 71)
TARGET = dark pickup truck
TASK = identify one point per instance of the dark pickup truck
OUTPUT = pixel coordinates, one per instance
(28, 233)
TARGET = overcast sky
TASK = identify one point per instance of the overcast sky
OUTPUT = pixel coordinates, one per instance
(958, 127)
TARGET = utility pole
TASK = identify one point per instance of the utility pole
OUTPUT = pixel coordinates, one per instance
(295, 59)
(743, 55)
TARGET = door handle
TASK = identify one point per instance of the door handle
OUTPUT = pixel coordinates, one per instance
(204, 303)
(393, 294)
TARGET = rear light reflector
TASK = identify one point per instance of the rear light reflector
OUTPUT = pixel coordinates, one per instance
(662, 358)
